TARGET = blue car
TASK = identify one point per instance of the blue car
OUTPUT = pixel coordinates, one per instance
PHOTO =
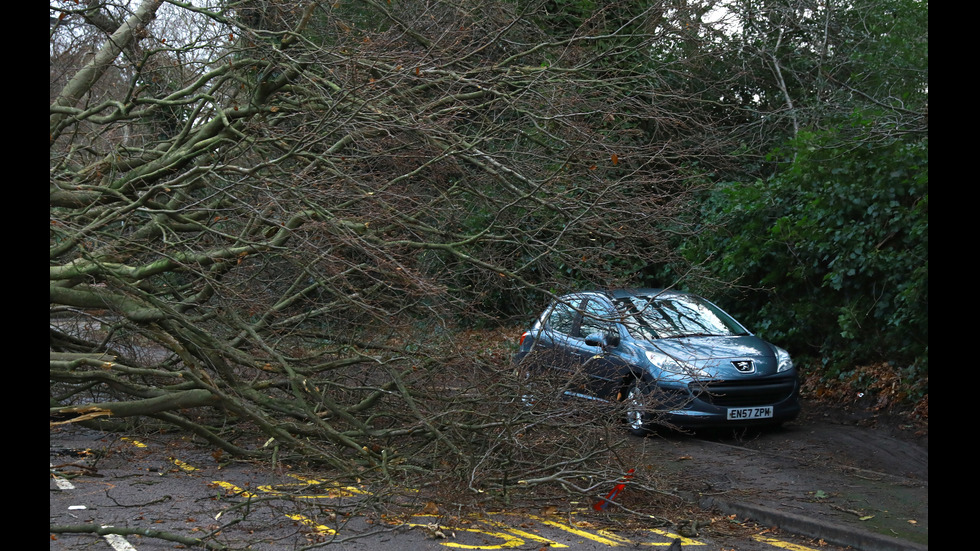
(673, 359)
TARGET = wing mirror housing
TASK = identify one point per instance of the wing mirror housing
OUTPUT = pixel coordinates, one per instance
(607, 340)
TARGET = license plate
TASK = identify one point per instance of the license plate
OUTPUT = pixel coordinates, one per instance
(739, 414)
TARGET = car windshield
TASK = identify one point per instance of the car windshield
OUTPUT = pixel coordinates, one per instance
(675, 316)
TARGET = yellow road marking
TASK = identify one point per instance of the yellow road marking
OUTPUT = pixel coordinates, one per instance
(604, 537)
(283, 490)
(576, 531)
(779, 543)
(332, 484)
(672, 536)
(334, 490)
(311, 523)
(614, 537)
(524, 534)
(669, 535)
(509, 540)
(184, 466)
(232, 488)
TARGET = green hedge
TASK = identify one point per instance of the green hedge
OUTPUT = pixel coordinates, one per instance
(835, 249)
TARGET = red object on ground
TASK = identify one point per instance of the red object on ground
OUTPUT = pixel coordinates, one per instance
(602, 504)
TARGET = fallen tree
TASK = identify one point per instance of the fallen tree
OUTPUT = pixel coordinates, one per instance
(272, 222)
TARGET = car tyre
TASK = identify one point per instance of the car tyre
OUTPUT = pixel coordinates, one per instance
(634, 397)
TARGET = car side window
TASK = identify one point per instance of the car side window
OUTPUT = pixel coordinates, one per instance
(597, 319)
(562, 318)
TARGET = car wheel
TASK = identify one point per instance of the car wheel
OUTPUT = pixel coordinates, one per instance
(637, 418)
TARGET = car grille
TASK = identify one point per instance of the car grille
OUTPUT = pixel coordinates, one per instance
(744, 393)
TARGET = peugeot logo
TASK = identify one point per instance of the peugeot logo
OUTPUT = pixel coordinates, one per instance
(744, 366)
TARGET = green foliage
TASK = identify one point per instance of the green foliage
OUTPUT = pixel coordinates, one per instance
(839, 244)
(893, 43)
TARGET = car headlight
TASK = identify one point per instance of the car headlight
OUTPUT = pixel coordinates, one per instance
(783, 361)
(666, 363)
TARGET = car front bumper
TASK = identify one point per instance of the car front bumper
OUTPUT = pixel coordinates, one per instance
(710, 407)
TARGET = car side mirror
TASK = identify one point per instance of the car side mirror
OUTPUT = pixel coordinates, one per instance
(610, 340)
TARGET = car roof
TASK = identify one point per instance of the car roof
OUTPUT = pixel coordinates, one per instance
(631, 292)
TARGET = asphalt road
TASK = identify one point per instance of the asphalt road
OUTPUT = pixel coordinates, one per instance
(156, 488)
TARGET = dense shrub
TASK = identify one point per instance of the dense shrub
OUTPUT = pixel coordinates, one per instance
(833, 250)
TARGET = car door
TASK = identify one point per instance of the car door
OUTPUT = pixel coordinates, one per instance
(602, 366)
(552, 347)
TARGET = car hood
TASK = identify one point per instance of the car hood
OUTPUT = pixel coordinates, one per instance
(715, 355)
